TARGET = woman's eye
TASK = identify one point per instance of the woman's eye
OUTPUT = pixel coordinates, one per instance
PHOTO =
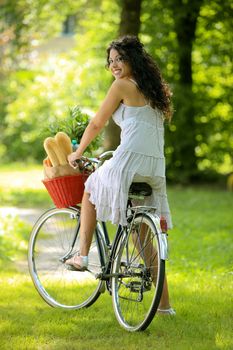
(116, 60)
(119, 59)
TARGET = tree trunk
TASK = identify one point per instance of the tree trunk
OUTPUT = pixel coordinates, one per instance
(183, 160)
(129, 24)
(130, 17)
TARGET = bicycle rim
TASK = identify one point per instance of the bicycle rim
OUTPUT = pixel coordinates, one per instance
(138, 284)
(50, 241)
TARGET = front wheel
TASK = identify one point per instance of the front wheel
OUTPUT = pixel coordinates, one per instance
(54, 237)
(138, 272)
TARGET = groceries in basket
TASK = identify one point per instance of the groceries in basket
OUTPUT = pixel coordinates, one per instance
(64, 183)
(56, 164)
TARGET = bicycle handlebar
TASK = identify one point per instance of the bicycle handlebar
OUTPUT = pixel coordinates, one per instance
(105, 154)
(85, 162)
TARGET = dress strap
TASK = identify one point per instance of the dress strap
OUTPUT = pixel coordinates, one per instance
(133, 81)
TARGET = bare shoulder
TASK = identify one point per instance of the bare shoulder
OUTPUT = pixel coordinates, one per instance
(122, 83)
(123, 86)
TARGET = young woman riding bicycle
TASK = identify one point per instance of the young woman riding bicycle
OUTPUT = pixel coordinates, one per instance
(139, 101)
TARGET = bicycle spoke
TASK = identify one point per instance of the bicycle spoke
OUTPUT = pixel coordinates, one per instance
(51, 240)
(137, 290)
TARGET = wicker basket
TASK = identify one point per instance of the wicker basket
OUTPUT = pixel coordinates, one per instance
(66, 191)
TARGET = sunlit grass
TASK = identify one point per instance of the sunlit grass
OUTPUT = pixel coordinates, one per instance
(200, 275)
(21, 186)
(18, 175)
(203, 319)
(25, 198)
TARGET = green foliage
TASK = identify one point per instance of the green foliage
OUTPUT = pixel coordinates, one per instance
(211, 97)
(50, 94)
(37, 88)
(213, 81)
(181, 154)
(74, 126)
(13, 238)
(159, 36)
(41, 94)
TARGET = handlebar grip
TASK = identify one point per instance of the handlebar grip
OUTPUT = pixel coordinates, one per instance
(105, 154)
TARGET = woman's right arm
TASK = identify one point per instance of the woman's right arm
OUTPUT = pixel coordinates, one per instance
(109, 105)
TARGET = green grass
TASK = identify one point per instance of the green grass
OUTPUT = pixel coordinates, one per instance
(202, 321)
(21, 186)
(25, 198)
(200, 276)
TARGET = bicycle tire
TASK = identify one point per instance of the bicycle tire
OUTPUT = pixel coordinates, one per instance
(50, 241)
(138, 274)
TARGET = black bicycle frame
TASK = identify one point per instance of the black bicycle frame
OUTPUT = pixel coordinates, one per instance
(106, 272)
(106, 266)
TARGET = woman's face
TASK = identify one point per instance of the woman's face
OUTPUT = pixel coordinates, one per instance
(118, 67)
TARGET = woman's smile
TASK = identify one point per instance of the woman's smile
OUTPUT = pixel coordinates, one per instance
(116, 72)
(118, 66)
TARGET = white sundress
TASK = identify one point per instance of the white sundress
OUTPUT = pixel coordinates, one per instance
(138, 158)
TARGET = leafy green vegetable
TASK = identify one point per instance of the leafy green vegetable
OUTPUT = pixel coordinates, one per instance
(74, 126)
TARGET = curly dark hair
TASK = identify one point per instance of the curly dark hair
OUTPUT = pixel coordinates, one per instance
(145, 72)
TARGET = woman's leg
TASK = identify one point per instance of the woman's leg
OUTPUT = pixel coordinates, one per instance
(87, 227)
(164, 301)
(150, 258)
(88, 224)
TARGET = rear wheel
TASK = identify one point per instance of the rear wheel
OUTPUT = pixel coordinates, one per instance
(54, 237)
(139, 275)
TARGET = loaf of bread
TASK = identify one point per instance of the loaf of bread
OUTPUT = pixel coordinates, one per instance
(47, 162)
(56, 155)
(64, 143)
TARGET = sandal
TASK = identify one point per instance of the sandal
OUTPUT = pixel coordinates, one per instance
(169, 311)
(77, 263)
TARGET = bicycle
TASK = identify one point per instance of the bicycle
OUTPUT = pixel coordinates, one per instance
(131, 268)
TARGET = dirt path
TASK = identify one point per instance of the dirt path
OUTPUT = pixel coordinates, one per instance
(26, 214)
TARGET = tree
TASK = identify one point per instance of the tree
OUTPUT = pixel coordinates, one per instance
(199, 139)
(195, 131)
(183, 158)
(20, 24)
(130, 17)
(43, 91)
(212, 76)
(129, 24)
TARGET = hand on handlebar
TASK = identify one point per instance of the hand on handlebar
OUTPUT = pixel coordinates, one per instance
(74, 159)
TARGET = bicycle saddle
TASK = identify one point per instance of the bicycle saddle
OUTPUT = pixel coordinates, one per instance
(140, 188)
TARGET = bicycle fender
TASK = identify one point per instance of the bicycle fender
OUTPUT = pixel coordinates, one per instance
(163, 244)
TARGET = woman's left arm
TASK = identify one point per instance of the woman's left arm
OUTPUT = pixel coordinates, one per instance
(109, 105)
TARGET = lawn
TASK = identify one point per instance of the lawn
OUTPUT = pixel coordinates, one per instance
(200, 275)
(21, 186)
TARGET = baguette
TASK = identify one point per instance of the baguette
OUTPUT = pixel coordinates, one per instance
(54, 152)
(47, 162)
(64, 143)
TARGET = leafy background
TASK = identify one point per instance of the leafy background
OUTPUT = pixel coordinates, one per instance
(40, 81)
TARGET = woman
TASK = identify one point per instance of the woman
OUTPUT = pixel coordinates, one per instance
(139, 101)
